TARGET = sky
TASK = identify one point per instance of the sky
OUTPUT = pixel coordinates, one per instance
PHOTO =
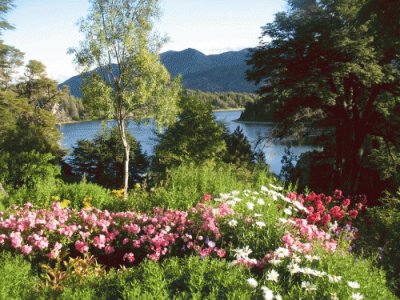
(45, 29)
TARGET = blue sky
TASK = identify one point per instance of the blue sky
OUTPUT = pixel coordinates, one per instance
(45, 29)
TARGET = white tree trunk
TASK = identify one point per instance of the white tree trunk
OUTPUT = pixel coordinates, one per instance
(125, 144)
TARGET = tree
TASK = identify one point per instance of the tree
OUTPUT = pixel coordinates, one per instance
(195, 137)
(41, 91)
(10, 57)
(238, 148)
(323, 74)
(29, 143)
(130, 81)
(101, 159)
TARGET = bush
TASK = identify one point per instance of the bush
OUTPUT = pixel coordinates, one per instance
(186, 184)
(380, 238)
(17, 280)
(195, 137)
(40, 195)
(187, 278)
(84, 194)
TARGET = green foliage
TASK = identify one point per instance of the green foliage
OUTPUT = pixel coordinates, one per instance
(122, 32)
(195, 137)
(380, 237)
(324, 71)
(187, 278)
(101, 160)
(350, 268)
(223, 100)
(83, 194)
(238, 148)
(29, 147)
(17, 280)
(30, 168)
(185, 185)
(257, 111)
(77, 195)
(24, 128)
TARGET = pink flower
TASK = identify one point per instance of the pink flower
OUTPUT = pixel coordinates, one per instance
(134, 228)
(2, 238)
(338, 193)
(16, 239)
(330, 245)
(26, 249)
(287, 239)
(130, 257)
(81, 246)
(99, 241)
(224, 210)
(221, 253)
(109, 249)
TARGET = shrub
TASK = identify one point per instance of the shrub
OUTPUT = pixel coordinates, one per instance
(79, 195)
(380, 237)
(17, 281)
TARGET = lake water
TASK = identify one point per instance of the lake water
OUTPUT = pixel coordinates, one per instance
(144, 133)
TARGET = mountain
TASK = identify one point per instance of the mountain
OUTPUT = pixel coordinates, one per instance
(223, 72)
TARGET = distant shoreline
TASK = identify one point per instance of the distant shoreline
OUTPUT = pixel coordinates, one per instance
(82, 121)
(254, 122)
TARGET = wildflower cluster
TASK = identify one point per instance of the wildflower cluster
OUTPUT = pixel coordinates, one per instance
(322, 209)
(265, 230)
(125, 236)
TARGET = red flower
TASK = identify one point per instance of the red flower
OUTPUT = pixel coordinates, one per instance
(336, 212)
(206, 197)
(353, 213)
(338, 193)
(314, 218)
(325, 219)
(346, 202)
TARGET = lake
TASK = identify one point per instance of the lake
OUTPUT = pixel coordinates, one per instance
(144, 133)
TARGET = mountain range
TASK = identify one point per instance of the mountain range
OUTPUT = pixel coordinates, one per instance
(223, 72)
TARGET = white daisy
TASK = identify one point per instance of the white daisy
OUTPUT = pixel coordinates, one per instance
(273, 276)
(308, 286)
(232, 223)
(252, 282)
(260, 201)
(357, 296)
(334, 279)
(250, 205)
(287, 211)
(260, 224)
(353, 284)
(268, 294)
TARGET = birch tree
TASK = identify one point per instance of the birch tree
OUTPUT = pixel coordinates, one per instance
(129, 82)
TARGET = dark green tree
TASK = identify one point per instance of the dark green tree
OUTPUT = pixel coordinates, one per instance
(195, 137)
(238, 148)
(29, 143)
(325, 75)
(101, 160)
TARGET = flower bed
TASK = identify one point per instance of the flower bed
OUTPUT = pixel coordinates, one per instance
(278, 237)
